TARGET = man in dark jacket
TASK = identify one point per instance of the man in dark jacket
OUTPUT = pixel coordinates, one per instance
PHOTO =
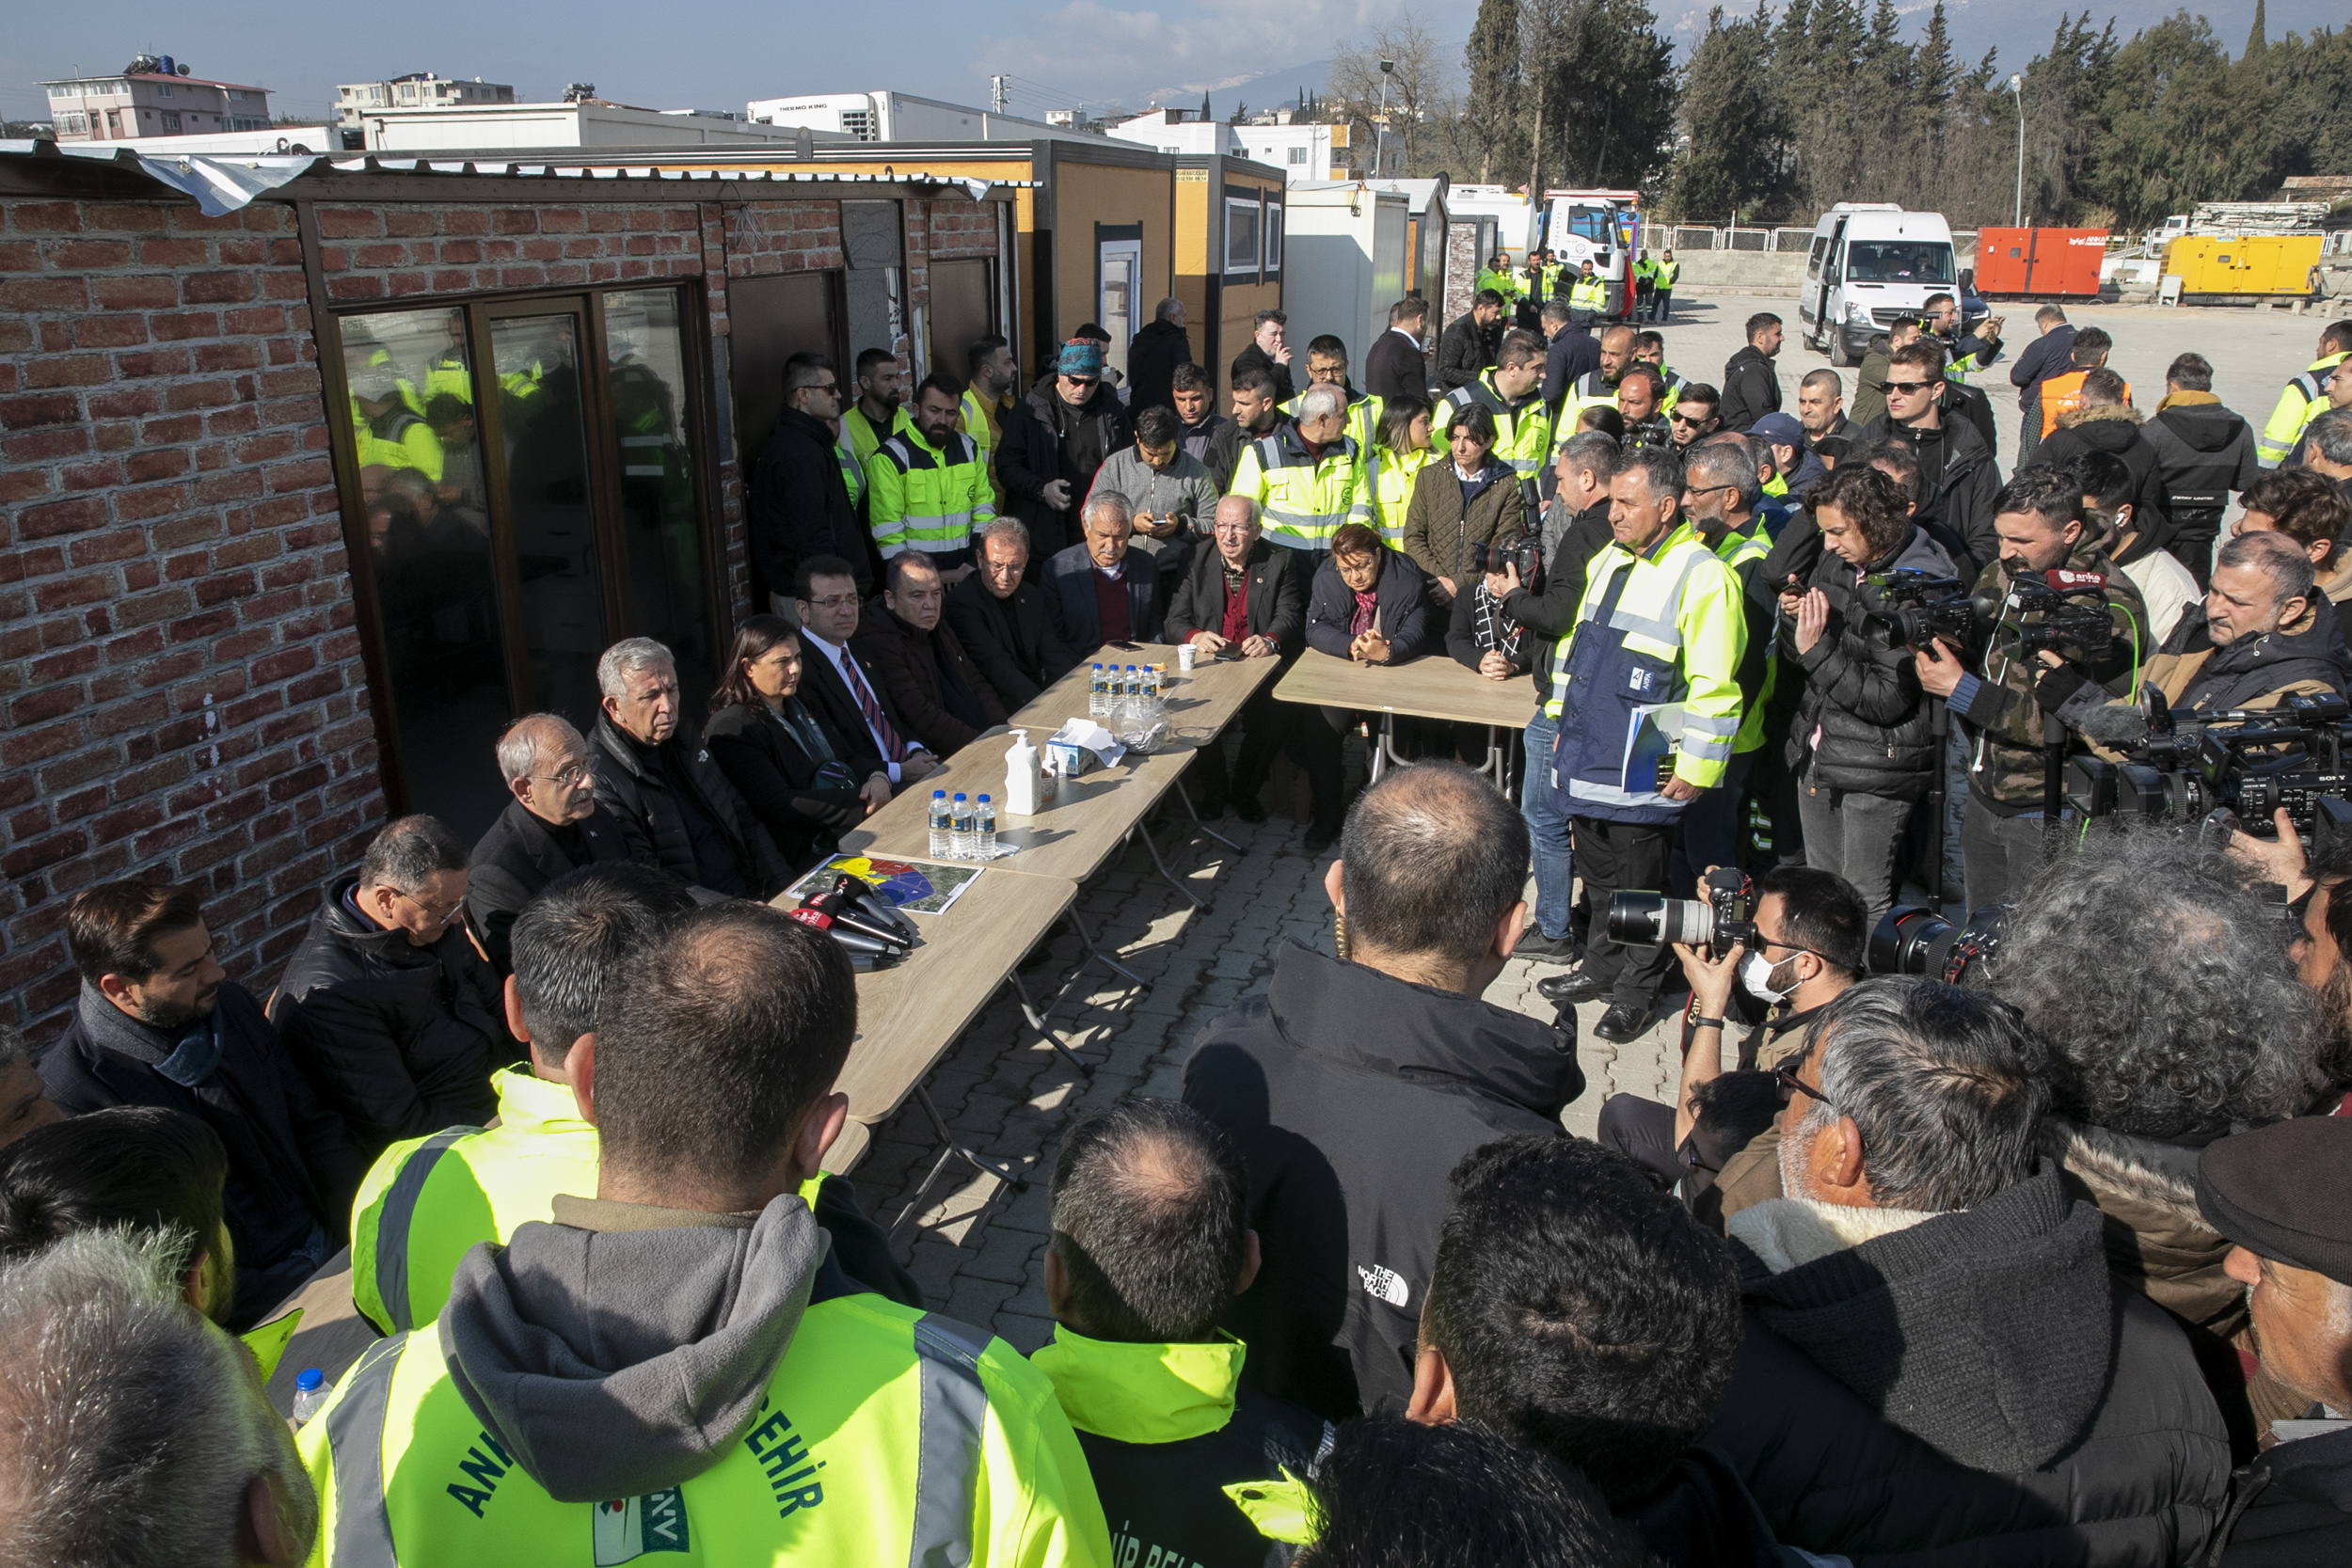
(1428, 881)
(2262, 635)
(1555, 1249)
(160, 1023)
(1102, 589)
(1957, 478)
(1154, 355)
(2204, 452)
(1054, 440)
(1468, 348)
(840, 684)
(1394, 365)
(1194, 397)
(386, 1006)
(932, 682)
(2050, 354)
(2281, 1195)
(1266, 352)
(672, 805)
(1574, 353)
(1002, 620)
(551, 826)
(1862, 747)
(1930, 1319)
(800, 502)
(1751, 384)
(1256, 415)
(1248, 597)
(2102, 420)
(1150, 1243)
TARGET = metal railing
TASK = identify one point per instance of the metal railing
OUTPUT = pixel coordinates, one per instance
(1730, 236)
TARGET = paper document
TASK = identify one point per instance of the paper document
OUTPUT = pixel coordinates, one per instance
(919, 887)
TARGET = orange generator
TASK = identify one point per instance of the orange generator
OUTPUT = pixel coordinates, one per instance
(2040, 263)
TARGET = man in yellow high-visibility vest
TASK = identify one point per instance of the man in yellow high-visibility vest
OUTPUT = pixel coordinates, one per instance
(2303, 398)
(993, 375)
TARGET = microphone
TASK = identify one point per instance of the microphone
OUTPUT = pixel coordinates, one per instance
(2115, 725)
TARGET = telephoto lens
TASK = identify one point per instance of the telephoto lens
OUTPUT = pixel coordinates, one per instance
(1912, 941)
(1654, 920)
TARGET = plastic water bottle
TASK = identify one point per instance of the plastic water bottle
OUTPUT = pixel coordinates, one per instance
(959, 827)
(1098, 694)
(1133, 685)
(942, 845)
(984, 829)
(310, 1391)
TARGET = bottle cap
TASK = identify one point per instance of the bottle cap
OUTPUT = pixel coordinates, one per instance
(939, 795)
(309, 1380)
(959, 794)
(983, 799)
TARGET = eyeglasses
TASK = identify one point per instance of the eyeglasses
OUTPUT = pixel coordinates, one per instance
(1786, 1076)
(1908, 385)
(831, 388)
(1694, 419)
(1082, 380)
(574, 776)
(439, 913)
(833, 602)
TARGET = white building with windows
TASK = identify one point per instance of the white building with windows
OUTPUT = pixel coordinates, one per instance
(1304, 152)
(154, 96)
(418, 89)
(902, 117)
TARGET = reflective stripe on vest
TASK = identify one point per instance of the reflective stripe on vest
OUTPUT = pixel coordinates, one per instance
(2300, 402)
(1298, 492)
(393, 1220)
(926, 499)
(1522, 438)
(947, 1472)
(355, 1432)
(1588, 294)
(645, 470)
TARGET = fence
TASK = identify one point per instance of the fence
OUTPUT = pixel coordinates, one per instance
(1710, 236)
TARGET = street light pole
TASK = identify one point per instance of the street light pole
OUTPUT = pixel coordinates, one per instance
(1381, 129)
(2017, 210)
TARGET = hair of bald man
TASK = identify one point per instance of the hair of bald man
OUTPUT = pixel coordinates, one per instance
(1321, 400)
(2286, 563)
(1431, 858)
(1244, 505)
(1620, 333)
(522, 742)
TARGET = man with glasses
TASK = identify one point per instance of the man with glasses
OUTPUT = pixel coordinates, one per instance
(1055, 440)
(1693, 419)
(838, 681)
(1245, 600)
(1958, 478)
(804, 492)
(551, 826)
(386, 1006)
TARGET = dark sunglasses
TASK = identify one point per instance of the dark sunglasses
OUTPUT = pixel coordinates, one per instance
(1082, 380)
(1908, 385)
(1786, 1076)
(1681, 418)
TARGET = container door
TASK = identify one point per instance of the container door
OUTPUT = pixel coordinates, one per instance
(1119, 274)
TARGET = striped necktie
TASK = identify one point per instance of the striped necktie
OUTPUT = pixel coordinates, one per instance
(894, 748)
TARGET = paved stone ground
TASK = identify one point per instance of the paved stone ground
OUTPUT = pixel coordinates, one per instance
(977, 1246)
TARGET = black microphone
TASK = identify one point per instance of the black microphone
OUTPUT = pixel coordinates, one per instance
(2115, 725)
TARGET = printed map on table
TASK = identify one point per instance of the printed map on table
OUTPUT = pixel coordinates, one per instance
(921, 887)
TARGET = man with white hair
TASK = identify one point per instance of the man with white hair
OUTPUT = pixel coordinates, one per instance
(551, 826)
(136, 1432)
(674, 807)
(1307, 477)
(1104, 587)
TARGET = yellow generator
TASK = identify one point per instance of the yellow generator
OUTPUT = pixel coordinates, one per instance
(2242, 266)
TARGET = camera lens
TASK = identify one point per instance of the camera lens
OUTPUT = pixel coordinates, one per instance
(1907, 939)
(1653, 920)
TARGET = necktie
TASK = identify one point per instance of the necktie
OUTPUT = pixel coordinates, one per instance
(894, 748)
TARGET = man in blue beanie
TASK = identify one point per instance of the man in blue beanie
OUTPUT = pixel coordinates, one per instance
(1054, 440)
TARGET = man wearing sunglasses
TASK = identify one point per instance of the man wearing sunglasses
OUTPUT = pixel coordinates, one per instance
(1693, 419)
(1958, 478)
(1055, 440)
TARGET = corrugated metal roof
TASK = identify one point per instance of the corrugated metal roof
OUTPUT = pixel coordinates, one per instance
(223, 182)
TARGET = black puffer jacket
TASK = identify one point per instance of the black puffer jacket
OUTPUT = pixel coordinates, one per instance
(1972, 1389)
(1874, 729)
(1955, 504)
(1044, 439)
(400, 1039)
(653, 824)
(1751, 388)
(1316, 1081)
(1152, 361)
(2115, 430)
(2290, 1507)
(2203, 451)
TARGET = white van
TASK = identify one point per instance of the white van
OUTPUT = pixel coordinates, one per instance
(1871, 264)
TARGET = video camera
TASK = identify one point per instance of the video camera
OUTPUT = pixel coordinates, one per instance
(1915, 608)
(1525, 556)
(855, 914)
(1909, 939)
(2085, 632)
(2250, 762)
(1725, 920)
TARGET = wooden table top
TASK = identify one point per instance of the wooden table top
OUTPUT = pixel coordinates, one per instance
(1091, 816)
(910, 1014)
(1432, 687)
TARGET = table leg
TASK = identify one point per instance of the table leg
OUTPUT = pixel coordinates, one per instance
(1143, 831)
(1086, 940)
(1198, 825)
(1384, 748)
(1037, 1021)
(951, 1149)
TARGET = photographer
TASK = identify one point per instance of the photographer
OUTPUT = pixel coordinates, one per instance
(1863, 746)
(2022, 702)
(1809, 935)
(2261, 634)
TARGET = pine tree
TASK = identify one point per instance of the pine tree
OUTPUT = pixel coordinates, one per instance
(1491, 61)
(2255, 42)
(1729, 158)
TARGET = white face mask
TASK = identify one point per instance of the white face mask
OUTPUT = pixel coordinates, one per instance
(1755, 974)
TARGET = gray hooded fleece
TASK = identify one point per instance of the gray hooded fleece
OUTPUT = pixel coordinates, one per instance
(611, 1361)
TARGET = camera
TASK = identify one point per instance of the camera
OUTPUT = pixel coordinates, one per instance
(2085, 632)
(1722, 921)
(1915, 608)
(1909, 940)
(1493, 558)
(2250, 762)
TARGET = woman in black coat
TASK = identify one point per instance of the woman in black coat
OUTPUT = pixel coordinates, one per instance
(800, 779)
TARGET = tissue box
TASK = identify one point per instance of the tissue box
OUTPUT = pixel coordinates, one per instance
(1069, 759)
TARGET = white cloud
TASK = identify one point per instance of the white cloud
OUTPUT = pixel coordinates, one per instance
(1083, 46)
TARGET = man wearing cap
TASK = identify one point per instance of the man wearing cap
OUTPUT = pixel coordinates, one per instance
(2283, 1195)
(1795, 468)
(1055, 438)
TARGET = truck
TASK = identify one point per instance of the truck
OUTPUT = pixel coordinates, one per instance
(1871, 264)
(1599, 225)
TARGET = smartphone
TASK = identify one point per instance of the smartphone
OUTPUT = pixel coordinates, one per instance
(1228, 653)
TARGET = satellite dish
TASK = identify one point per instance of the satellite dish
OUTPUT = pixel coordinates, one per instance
(183, 71)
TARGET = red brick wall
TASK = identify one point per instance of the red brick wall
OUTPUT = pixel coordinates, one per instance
(180, 694)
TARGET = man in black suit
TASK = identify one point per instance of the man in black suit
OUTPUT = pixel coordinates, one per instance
(1269, 621)
(1394, 366)
(1002, 621)
(551, 826)
(839, 684)
(1266, 352)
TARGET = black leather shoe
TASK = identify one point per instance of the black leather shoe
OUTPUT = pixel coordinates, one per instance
(1574, 986)
(1210, 809)
(1534, 944)
(1623, 1022)
(1248, 809)
(1320, 838)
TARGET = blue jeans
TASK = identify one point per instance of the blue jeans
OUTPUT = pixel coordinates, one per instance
(1539, 804)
